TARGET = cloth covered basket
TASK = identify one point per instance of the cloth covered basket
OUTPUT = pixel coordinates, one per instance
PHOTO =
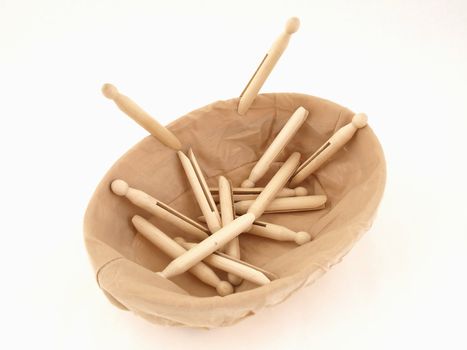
(229, 144)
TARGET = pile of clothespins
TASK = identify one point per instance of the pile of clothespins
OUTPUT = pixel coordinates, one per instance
(217, 244)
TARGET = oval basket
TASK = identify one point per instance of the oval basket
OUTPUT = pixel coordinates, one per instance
(229, 144)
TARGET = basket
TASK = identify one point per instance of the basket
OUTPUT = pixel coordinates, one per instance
(227, 143)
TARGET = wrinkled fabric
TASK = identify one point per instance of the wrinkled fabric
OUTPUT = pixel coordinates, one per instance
(228, 144)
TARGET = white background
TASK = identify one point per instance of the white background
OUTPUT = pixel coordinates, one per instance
(404, 63)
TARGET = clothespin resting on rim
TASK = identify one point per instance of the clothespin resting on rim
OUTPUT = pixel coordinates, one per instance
(266, 66)
(135, 112)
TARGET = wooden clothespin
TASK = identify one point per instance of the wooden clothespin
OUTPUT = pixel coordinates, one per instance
(173, 249)
(201, 190)
(275, 232)
(232, 265)
(286, 204)
(159, 209)
(228, 215)
(330, 147)
(274, 185)
(276, 147)
(243, 194)
(135, 112)
(267, 64)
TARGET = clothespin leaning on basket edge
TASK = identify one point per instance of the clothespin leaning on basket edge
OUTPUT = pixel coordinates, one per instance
(135, 112)
(266, 66)
(329, 148)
